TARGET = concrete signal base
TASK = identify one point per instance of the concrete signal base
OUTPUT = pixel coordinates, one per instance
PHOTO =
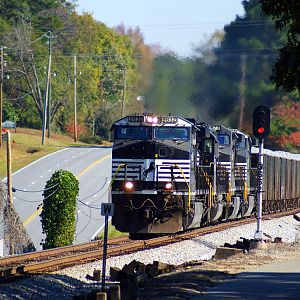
(258, 245)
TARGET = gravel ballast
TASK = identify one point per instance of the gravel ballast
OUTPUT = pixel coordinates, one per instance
(72, 281)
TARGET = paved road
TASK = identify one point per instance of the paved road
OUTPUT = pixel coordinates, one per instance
(91, 165)
(279, 280)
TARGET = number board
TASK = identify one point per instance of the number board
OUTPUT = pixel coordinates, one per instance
(169, 119)
(136, 119)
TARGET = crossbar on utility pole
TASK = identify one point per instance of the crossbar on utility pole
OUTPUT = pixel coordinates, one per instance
(47, 92)
(1, 91)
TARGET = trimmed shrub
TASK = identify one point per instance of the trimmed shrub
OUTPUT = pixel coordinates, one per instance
(59, 209)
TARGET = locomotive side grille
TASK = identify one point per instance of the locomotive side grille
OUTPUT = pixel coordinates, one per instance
(163, 169)
(132, 170)
(240, 171)
(227, 167)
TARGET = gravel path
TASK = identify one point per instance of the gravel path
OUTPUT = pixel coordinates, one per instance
(72, 281)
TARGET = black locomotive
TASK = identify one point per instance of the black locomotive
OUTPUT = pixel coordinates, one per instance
(171, 174)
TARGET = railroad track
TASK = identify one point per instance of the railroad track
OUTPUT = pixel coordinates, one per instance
(46, 261)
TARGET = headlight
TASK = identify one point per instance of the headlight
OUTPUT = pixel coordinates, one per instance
(128, 185)
(168, 186)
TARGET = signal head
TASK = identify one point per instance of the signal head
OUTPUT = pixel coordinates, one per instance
(261, 122)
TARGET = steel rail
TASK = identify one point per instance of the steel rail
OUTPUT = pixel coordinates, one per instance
(57, 251)
(120, 248)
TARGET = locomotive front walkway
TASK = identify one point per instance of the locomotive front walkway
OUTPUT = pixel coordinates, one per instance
(280, 280)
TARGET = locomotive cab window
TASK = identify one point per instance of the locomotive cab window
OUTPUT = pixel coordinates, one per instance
(132, 132)
(207, 147)
(224, 139)
(171, 133)
(241, 145)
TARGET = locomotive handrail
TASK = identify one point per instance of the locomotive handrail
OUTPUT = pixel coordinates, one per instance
(189, 190)
(114, 177)
(206, 176)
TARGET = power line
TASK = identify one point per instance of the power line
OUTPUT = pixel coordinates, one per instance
(97, 219)
(28, 44)
(90, 206)
(29, 201)
(36, 191)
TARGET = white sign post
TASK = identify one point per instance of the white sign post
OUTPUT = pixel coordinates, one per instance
(107, 210)
(260, 172)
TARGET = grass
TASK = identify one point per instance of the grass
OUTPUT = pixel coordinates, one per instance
(112, 232)
(26, 145)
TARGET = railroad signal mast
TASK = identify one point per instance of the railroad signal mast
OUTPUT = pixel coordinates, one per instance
(261, 129)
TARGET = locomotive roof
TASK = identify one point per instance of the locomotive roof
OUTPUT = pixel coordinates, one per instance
(137, 120)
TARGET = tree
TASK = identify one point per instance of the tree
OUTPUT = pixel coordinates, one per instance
(59, 209)
(238, 79)
(285, 124)
(286, 70)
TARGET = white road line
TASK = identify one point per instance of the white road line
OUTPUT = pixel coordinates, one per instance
(38, 160)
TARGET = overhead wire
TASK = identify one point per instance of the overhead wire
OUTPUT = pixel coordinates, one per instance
(27, 44)
(87, 224)
(91, 206)
(36, 191)
(45, 198)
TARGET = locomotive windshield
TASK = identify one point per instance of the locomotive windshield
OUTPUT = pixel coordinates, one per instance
(133, 132)
(171, 133)
(223, 139)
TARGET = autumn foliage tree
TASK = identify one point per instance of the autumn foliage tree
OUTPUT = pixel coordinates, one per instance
(285, 125)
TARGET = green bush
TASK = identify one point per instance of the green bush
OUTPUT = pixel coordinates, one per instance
(91, 139)
(32, 150)
(59, 209)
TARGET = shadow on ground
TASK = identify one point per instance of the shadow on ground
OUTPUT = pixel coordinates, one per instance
(211, 285)
(181, 285)
(46, 287)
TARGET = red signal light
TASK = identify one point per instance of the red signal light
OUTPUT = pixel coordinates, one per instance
(261, 130)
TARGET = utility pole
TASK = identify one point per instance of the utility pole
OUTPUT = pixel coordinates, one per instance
(47, 92)
(8, 167)
(1, 91)
(49, 108)
(242, 90)
(75, 99)
(124, 93)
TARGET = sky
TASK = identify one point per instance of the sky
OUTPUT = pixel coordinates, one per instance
(175, 25)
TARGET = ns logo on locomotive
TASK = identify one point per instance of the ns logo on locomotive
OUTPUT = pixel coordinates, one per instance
(171, 174)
